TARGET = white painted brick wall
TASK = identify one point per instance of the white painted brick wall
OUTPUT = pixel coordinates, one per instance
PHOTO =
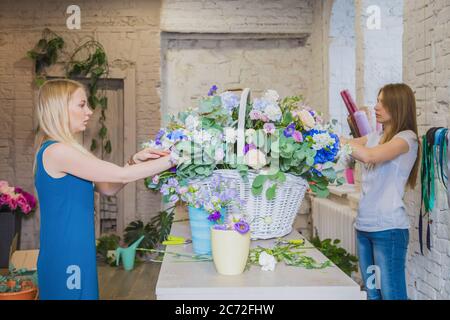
(248, 16)
(426, 66)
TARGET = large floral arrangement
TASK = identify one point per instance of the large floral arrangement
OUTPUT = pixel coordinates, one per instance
(15, 199)
(281, 136)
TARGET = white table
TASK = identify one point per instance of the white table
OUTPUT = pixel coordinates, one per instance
(200, 281)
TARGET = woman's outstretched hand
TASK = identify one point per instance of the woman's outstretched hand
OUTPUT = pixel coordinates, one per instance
(149, 154)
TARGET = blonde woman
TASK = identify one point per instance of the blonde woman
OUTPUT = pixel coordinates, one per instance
(65, 178)
(391, 162)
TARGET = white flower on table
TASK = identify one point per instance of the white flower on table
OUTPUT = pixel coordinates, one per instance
(267, 261)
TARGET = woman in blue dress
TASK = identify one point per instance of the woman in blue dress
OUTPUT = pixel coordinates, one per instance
(66, 176)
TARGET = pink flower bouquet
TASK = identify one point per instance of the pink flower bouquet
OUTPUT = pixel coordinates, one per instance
(15, 199)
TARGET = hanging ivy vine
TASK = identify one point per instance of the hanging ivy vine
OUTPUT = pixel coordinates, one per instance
(45, 53)
(88, 60)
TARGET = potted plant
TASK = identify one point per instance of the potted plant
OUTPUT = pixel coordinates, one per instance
(207, 200)
(14, 202)
(18, 285)
(230, 243)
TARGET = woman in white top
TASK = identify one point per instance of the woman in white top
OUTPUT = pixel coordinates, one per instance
(391, 162)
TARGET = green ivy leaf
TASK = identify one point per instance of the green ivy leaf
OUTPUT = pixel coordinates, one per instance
(103, 131)
(108, 146)
(93, 145)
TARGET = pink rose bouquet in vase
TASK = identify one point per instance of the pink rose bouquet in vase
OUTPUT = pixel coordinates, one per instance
(14, 202)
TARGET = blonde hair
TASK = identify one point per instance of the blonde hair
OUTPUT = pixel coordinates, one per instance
(399, 101)
(52, 112)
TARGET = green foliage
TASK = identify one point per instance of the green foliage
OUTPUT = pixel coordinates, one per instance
(340, 257)
(154, 232)
(106, 243)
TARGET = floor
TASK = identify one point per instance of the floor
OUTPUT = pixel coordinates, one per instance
(118, 284)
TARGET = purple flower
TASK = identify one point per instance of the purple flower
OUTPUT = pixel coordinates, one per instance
(174, 198)
(241, 227)
(249, 147)
(297, 135)
(289, 131)
(212, 90)
(158, 137)
(220, 227)
(172, 182)
(216, 215)
(269, 128)
(173, 169)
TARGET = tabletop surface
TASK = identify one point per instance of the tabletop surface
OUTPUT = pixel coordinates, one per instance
(179, 279)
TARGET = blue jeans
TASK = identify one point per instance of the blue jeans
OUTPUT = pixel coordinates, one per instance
(382, 258)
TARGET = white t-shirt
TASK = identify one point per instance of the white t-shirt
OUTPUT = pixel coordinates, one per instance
(381, 205)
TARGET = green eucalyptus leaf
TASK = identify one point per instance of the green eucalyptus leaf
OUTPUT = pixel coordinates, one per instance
(259, 181)
(271, 192)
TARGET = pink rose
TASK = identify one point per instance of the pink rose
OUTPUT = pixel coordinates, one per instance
(255, 115)
(3, 186)
(6, 199)
(297, 135)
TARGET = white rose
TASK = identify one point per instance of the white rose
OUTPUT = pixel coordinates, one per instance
(250, 135)
(255, 159)
(272, 96)
(307, 119)
(192, 122)
(250, 132)
(273, 112)
(219, 155)
(267, 261)
(230, 135)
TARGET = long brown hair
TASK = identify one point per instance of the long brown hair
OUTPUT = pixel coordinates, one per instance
(399, 101)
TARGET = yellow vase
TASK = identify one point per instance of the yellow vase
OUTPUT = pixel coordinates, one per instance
(230, 251)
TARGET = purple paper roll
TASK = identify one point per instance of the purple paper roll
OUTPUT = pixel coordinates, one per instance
(362, 122)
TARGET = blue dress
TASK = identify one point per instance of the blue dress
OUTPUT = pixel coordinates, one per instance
(66, 265)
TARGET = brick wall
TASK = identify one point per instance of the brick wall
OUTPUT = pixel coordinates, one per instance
(426, 56)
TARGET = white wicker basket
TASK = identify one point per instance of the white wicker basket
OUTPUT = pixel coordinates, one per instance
(268, 218)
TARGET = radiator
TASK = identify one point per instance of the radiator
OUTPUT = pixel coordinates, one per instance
(334, 220)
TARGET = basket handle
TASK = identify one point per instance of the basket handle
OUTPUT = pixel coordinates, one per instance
(241, 123)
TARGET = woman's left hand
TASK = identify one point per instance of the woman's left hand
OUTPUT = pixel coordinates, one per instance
(149, 154)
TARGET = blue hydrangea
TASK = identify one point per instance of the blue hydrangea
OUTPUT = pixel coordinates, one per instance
(229, 100)
(326, 154)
